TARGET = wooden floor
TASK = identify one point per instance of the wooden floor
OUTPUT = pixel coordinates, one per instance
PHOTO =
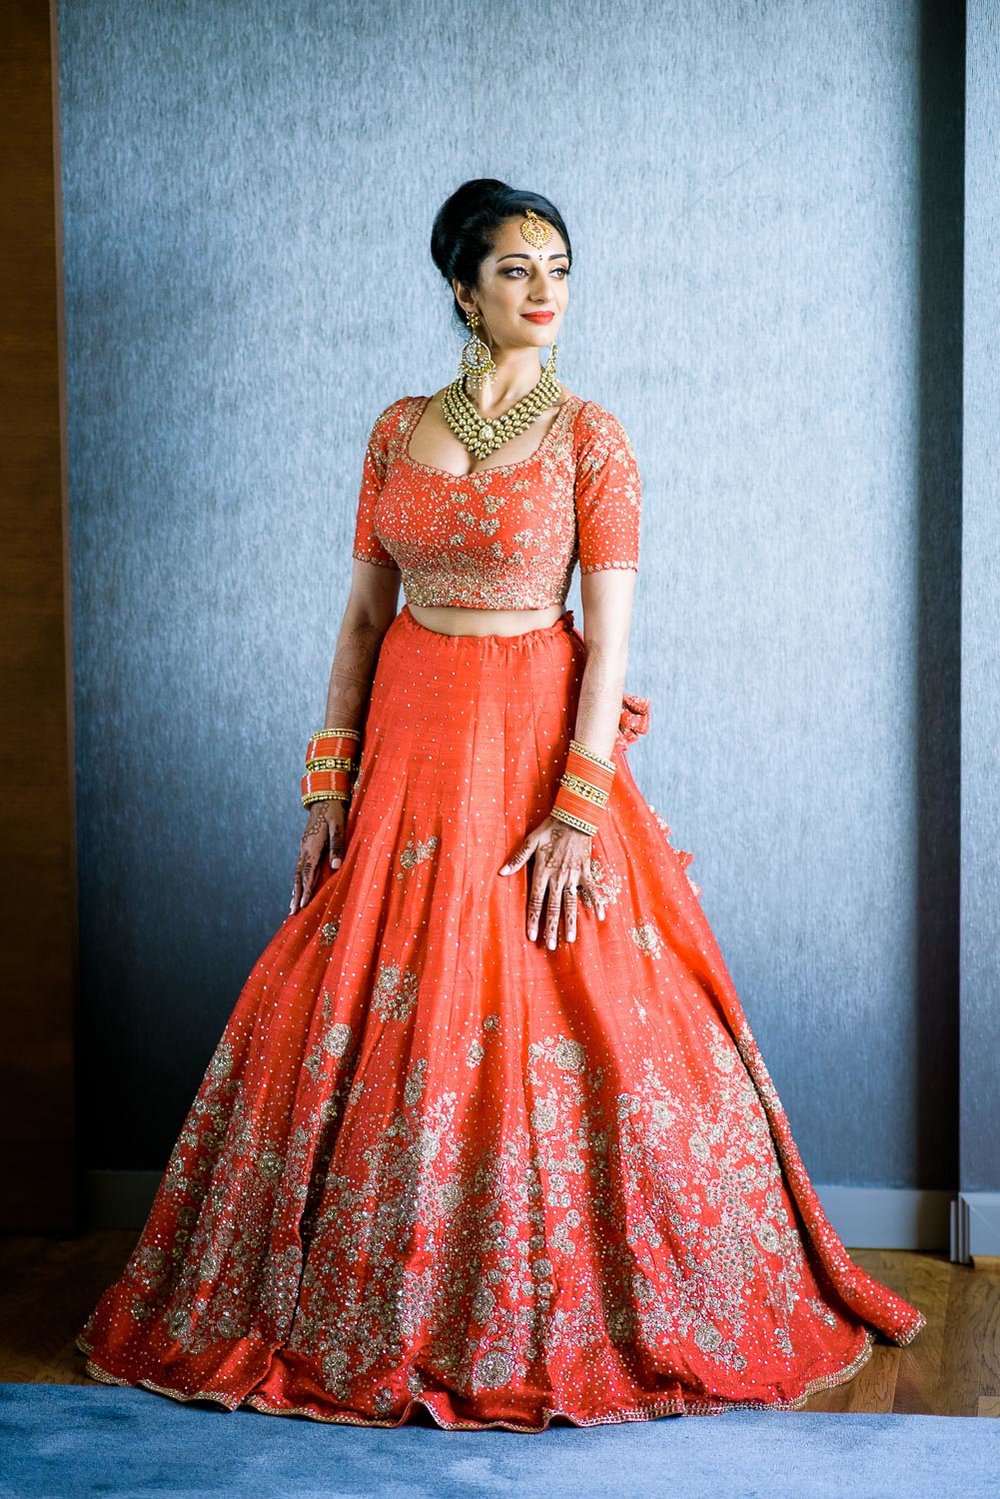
(952, 1367)
(49, 1285)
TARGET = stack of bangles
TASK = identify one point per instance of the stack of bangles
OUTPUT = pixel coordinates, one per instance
(584, 788)
(330, 766)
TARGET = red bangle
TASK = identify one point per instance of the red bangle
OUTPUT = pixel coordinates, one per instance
(332, 784)
(330, 766)
(332, 744)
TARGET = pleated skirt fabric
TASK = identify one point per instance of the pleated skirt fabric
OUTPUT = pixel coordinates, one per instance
(432, 1163)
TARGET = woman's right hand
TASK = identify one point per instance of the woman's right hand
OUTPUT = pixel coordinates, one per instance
(324, 827)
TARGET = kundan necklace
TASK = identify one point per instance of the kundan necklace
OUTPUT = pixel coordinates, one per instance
(483, 437)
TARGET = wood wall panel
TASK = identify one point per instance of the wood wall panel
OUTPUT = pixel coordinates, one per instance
(38, 1175)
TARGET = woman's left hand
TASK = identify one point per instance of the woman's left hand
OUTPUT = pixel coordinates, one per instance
(562, 868)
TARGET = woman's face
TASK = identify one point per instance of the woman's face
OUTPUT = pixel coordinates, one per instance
(518, 278)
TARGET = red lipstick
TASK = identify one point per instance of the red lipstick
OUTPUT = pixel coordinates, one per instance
(538, 317)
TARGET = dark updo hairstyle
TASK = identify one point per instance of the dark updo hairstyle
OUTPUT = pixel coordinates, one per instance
(466, 225)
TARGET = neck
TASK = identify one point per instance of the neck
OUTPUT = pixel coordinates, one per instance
(517, 372)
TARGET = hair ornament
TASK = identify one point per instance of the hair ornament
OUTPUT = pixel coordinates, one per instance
(535, 230)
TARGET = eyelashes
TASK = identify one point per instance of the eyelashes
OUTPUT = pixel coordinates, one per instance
(564, 268)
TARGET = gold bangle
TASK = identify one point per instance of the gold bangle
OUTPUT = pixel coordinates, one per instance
(590, 755)
(595, 794)
(574, 822)
(325, 796)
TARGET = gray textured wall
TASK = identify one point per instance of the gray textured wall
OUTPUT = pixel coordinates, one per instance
(981, 613)
(249, 190)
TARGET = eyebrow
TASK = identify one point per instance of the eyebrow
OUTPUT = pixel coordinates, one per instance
(519, 255)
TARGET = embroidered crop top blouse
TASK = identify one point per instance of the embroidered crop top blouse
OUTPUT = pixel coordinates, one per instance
(509, 535)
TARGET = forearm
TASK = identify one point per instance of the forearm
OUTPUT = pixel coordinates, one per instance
(353, 671)
(599, 705)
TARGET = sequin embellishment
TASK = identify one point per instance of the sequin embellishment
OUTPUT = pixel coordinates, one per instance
(509, 535)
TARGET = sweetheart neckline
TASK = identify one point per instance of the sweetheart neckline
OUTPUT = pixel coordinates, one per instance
(494, 468)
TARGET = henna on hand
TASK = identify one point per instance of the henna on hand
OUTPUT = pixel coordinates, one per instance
(325, 823)
(563, 871)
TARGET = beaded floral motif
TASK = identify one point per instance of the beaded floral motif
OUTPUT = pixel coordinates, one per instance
(608, 493)
(647, 938)
(698, 1182)
(218, 1276)
(608, 883)
(416, 851)
(553, 1168)
(334, 1039)
(683, 1190)
(476, 1050)
(509, 535)
(395, 992)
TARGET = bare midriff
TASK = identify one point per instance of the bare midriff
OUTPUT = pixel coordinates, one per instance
(453, 620)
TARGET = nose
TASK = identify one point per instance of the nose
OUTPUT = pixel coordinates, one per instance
(540, 289)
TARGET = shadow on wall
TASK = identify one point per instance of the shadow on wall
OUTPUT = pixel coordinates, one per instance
(939, 622)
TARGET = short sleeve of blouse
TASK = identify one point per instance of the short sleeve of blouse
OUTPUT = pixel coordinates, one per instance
(367, 547)
(607, 493)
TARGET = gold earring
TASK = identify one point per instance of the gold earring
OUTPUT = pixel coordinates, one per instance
(550, 363)
(476, 363)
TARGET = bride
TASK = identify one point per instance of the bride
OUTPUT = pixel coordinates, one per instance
(487, 1133)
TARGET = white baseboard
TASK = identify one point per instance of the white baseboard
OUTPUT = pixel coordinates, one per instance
(864, 1217)
(889, 1217)
(975, 1225)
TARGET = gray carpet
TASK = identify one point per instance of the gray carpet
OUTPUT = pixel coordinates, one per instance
(64, 1441)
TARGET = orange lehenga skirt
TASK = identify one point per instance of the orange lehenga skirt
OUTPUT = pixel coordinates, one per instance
(432, 1163)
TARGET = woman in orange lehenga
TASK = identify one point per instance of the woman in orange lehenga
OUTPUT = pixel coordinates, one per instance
(463, 1145)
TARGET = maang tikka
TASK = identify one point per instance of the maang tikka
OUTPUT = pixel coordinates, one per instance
(476, 364)
(538, 232)
(535, 230)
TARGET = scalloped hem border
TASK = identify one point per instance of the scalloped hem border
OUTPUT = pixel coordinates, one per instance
(905, 1337)
(671, 1407)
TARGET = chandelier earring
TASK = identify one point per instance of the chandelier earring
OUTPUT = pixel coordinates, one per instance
(476, 363)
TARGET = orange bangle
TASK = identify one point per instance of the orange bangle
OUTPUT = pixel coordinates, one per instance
(584, 788)
(596, 773)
